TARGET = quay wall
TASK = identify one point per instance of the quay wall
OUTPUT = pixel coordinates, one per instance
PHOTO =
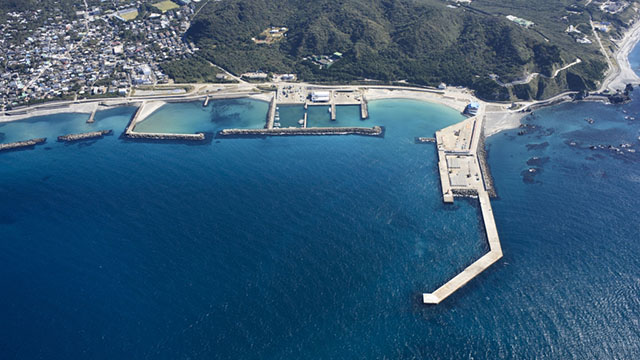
(373, 131)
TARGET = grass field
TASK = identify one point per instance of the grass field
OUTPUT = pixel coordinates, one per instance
(129, 15)
(165, 6)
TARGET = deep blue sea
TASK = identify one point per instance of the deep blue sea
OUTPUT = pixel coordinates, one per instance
(317, 247)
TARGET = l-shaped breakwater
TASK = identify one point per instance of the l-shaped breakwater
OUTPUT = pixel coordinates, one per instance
(141, 113)
(365, 131)
(462, 172)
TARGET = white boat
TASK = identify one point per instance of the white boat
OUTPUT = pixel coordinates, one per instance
(301, 121)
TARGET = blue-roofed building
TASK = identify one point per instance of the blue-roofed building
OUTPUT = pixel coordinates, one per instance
(472, 108)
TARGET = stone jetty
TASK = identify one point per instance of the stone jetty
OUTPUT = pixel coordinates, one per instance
(372, 131)
(22, 144)
(163, 136)
(84, 136)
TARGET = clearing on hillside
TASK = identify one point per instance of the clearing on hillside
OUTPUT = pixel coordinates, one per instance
(166, 5)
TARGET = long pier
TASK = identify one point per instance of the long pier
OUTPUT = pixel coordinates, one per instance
(333, 111)
(462, 174)
(271, 115)
(91, 118)
(372, 131)
(364, 108)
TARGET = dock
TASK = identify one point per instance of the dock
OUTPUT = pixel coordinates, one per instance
(92, 116)
(306, 116)
(271, 114)
(206, 101)
(364, 108)
(333, 111)
(22, 144)
(84, 136)
(372, 131)
(461, 174)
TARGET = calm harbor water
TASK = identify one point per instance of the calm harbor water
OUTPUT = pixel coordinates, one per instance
(317, 247)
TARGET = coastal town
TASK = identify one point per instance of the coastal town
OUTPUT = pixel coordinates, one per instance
(97, 49)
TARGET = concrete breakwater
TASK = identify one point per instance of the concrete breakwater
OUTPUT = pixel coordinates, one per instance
(84, 136)
(372, 131)
(162, 136)
(22, 144)
(464, 172)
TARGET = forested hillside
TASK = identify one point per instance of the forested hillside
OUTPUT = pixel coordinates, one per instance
(421, 41)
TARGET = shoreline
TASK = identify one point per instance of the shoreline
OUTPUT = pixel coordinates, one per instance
(624, 74)
(87, 106)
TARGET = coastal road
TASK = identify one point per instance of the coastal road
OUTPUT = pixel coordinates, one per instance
(534, 75)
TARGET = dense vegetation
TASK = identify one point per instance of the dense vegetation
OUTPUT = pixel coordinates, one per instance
(421, 41)
(191, 69)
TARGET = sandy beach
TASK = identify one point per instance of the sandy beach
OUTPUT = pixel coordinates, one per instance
(455, 98)
(624, 74)
(149, 108)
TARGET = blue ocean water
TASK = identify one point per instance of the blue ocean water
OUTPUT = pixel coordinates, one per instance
(294, 247)
(634, 59)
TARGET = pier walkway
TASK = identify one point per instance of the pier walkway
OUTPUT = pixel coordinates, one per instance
(91, 119)
(364, 108)
(461, 174)
(271, 115)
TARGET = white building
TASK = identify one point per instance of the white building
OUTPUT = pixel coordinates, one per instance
(320, 96)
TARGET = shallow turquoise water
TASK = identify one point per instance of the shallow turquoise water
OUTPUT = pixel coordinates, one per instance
(192, 117)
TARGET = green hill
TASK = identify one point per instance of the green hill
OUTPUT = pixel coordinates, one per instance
(420, 41)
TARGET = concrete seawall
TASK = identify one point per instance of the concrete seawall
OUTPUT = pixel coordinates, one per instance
(372, 131)
(84, 136)
(22, 144)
